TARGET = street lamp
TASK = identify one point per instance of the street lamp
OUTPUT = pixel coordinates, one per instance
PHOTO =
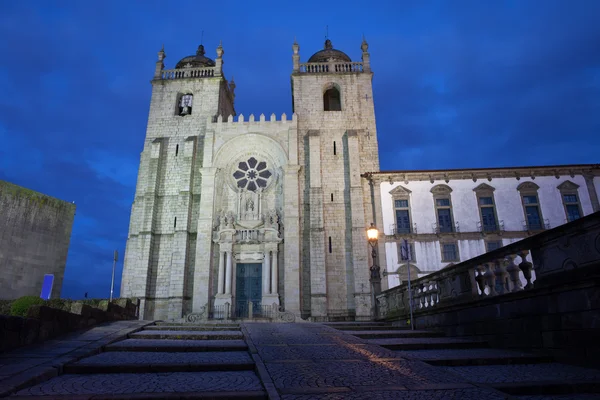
(372, 236)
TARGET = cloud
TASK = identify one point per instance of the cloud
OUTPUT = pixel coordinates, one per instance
(457, 84)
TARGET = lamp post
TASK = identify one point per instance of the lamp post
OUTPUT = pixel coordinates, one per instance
(373, 236)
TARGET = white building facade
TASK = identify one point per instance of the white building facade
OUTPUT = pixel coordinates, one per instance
(454, 215)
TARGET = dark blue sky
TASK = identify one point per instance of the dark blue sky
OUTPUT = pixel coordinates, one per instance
(457, 84)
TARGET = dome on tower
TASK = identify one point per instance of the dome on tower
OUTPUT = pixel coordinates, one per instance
(329, 53)
(196, 61)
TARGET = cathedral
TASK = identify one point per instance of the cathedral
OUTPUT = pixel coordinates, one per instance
(231, 209)
(238, 212)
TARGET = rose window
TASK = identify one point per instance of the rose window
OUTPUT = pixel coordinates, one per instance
(252, 174)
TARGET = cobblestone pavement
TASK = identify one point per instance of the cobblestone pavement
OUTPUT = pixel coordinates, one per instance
(192, 335)
(158, 358)
(576, 396)
(457, 354)
(457, 394)
(313, 361)
(24, 366)
(177, 345)
(146, 383)
(550, 372)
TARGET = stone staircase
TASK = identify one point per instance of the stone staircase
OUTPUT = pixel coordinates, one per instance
(518, 374)
(163, 361)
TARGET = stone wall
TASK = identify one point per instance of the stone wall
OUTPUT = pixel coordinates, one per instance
(43, 323)
(34, 240)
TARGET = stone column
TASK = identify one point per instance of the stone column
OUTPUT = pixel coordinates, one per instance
(266, 272)
(221, 280)
(591, 187)
(202, 272)
(318, 269)
(291, 218)
(229, 274)
(274, 274)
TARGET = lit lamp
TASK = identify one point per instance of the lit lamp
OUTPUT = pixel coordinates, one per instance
(372, 236)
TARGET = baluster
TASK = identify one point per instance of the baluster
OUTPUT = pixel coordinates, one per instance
(526, 267)
(513, 272)
(499, 272)
(480, 278)
(489, 279)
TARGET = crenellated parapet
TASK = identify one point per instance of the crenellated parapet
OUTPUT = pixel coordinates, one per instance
(240, 122)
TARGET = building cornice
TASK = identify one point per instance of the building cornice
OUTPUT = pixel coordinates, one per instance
(488, 174)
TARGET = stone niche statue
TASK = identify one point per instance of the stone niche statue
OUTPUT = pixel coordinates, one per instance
(272, 220)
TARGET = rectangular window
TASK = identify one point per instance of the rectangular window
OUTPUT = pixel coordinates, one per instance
(442, 202)
(401, 203)
(570, 198)
(573, 212)
(488, 219)
(445, 220)
(449, 252)
(402, 221)
(571, 207)
(530, 199)
(486, 201)
(330, 244)
(533, 216)
(493, 245)
(402, 216)
(411, 253)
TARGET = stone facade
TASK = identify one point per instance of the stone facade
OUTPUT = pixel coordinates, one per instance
(218, 196)
(34, 241)
(563, 193)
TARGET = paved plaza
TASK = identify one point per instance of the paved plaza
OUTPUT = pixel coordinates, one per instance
(147, 360)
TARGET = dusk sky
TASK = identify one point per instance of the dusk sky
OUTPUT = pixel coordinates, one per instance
(457, 84)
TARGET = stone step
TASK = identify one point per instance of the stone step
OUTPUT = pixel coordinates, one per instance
(137, 362)
(464, 357)
(532, 379)
(175, 345)
(390, 334)
(191, 328)
(426, 343)
(204, 323)
(572, 396)
(350, 323)
(173, 385)
(370, 328)
(188, 335)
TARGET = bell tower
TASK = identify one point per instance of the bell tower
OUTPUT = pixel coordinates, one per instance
(337, 142)
(160, 264)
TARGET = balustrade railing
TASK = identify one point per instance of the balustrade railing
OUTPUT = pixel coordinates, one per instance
(331, 67)
(509, 269)
(183, 73)
(248, 235)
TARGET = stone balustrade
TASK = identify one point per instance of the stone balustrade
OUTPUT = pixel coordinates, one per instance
(248, 235)
(204, 72)
(570, 248)
(333, 67)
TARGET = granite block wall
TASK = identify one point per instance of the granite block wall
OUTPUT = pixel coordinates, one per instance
(35, 231)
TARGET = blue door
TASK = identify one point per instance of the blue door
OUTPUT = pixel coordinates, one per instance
(248, 287)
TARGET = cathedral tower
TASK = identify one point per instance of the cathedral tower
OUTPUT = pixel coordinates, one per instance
(160, 256)
(333, 101)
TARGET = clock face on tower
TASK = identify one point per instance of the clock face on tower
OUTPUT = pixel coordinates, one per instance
(252, 174)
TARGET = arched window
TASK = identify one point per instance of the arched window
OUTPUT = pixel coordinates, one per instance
(403, 273)
(332, 100)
